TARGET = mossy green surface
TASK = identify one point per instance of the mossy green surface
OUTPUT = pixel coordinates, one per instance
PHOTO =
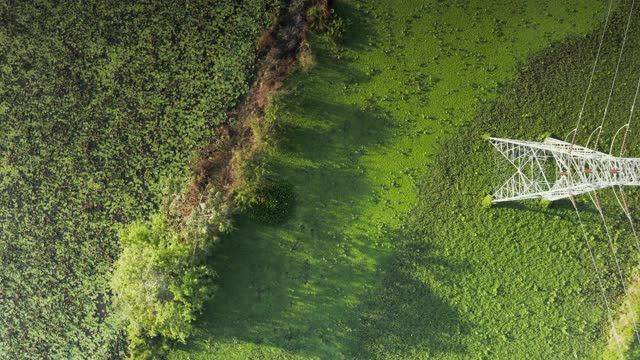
(361, 128)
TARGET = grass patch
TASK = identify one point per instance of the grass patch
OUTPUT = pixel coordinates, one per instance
(623, 335)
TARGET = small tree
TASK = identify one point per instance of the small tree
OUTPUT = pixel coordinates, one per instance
(160, 285)
(487, 201)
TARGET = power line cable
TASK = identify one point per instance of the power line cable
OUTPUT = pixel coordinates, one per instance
(615, 74)
(593, 196)
(596, 202)
(593, 70)
(599, 278)
(623, 147)
(622, 201)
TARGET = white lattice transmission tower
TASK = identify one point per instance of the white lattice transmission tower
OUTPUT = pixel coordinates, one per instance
(555, 169)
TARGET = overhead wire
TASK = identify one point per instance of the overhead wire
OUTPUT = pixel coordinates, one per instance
(573, 141)
(599, 278)
(622, 200)
(615, 74)
(623, 148)
(598, 205)
(593, 71)
(593, 196)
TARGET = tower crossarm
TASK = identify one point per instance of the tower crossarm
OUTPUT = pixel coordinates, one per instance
(554, 169)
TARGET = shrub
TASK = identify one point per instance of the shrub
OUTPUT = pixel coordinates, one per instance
(249, 175)
(336, 30)
(273, 203)
(545, 204)
(161, 279)
(249, 167)
(317, 18)
(160, 285)
(322, 19)
(305, 56)
(487, 201)
(210, 218)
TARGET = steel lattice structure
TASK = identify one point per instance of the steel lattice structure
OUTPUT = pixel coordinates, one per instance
(556, 169)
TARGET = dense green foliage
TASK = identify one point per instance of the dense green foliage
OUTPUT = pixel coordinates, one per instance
(158, 284)
(162, 279)
(357, 129)
(98, 101)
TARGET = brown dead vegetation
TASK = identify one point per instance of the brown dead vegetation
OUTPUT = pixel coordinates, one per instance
(222, 165)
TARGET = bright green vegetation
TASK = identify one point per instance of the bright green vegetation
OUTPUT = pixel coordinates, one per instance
(514, 280)
(99, 101)
(339, 279)
(623, 322)
(159, 284)
(162, 277)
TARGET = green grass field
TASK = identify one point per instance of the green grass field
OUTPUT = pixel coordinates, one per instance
(387, 252)
(348, 275)
(514, 281)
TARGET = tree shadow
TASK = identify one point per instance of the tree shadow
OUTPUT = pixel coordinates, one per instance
(359, 28)
(298, 286)
(290, 286)
(251, 265)
(354, 127)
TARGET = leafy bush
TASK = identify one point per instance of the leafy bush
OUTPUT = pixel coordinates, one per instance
(161, 280)
(248, 163)
(160, 284)
(318, 18)
(487, 201)
(336, 29)
(273, 203)
(545, 204)
(322, 19)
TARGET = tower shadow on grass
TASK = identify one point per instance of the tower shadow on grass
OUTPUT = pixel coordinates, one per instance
(404, 315)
